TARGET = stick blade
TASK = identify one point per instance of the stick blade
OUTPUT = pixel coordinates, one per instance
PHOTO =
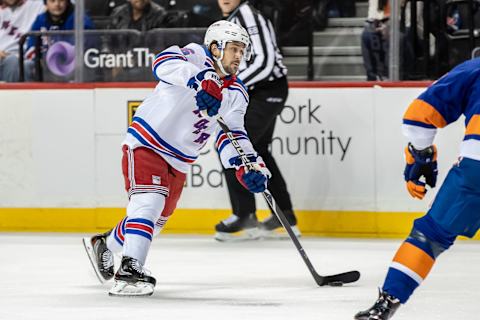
(338, 280)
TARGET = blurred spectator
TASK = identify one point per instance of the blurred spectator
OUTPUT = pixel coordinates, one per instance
(375, 40)
(341, 8)
(141, 15)
(412, 47)
(59, 15)
(430, 58)
(454, 21)
(291, 19)
(101, 8)
(203, 13)
(16, 18)
(320, 14)
(416, 55)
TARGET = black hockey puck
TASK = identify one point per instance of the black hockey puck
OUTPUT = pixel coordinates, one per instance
(335, 284)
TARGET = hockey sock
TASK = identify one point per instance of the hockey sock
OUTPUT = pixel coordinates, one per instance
(409, 268)
(138, 237)
(415, 258)
(143, 211)
(116, 237)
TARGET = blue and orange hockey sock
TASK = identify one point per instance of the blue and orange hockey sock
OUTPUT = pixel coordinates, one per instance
(415, 258)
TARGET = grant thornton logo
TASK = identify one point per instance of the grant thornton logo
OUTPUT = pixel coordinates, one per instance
(60, 58)
(137, 57)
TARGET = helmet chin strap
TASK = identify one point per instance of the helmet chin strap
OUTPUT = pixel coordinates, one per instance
(218, 61)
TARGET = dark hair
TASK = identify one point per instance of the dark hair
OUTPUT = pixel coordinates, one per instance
(45, 1)
(68, 11)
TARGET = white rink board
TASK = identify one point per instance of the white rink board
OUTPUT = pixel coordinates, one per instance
(47, 143)
(339, 149)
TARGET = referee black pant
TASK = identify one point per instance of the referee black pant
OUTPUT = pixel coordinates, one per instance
(266, 103)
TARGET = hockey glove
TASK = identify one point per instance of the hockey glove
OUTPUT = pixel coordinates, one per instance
(420, 163)
(255, 180)
(209, 91)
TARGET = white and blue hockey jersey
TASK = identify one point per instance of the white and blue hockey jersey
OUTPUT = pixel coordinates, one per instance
(169, 122)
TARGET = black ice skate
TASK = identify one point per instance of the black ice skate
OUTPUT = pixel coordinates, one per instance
(383, 309)
(132, 279)
(237, 229)
(99, 255)
(271, 228)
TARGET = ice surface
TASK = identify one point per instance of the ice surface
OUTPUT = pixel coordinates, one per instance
(48, 276)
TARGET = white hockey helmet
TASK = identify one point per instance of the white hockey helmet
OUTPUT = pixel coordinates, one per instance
(223, 32)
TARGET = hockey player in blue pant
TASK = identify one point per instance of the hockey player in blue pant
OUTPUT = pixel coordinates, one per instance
(456, 209)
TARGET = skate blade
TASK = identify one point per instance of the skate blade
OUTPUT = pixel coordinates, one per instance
(279, 233)
(243, 235)
(91, 256)
(124, 289)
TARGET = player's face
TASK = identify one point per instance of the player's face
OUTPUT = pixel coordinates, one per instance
(227, 6)
(232, 56)
(139, 4)
(56, 7)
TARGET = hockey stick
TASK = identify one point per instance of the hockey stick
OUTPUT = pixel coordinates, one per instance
(332, 280)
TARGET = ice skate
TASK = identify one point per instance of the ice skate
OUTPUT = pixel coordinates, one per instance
(237, 229)
(132, 279)
(100, 257)
(271, 228)
(383, 309)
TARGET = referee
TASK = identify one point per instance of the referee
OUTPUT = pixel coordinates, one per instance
(266, 79)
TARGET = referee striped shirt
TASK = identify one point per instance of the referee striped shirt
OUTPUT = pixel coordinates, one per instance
(266, 62)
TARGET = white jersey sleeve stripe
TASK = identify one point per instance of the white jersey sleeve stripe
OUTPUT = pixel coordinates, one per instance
(420, 137)
(223, 141)
(164, 57)
(208, 62)
(239, 88)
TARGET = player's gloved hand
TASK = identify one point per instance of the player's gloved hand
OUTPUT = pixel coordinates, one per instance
(420, 163)
(254, 180)
(209, 91)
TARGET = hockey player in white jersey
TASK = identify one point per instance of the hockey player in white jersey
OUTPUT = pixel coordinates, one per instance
(167, 133)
